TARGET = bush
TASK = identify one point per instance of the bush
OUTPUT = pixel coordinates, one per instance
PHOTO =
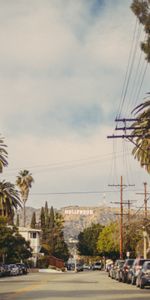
(43, 262)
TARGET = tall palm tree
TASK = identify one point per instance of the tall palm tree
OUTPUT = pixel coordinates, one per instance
(9, 199)
(141, 151)
(3, 155)
(24, 182)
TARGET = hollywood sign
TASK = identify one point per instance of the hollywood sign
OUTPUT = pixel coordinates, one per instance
(85, 212)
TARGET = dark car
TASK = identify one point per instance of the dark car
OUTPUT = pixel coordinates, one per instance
(117, 267)
(2, 270)
(79, 267)
(143, 278)
(125, 269)
(22, 268)
(136, 268)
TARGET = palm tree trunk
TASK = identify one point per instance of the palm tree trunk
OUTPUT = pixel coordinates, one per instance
(24, 214)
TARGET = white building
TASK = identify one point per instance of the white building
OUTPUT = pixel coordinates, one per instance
(33, 236)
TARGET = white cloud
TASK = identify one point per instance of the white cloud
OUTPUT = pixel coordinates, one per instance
(61, 62)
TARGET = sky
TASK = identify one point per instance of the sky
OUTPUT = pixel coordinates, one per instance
(62, 70)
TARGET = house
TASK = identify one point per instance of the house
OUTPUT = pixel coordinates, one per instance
(33, 236)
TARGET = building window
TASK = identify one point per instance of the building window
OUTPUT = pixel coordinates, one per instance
(33, 235)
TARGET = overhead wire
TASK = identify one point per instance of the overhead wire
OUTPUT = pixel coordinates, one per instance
(68, 164)
(129, 68)
(143, 73)
(137, 82)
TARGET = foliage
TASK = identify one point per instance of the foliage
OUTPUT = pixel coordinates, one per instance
(13, 247)
(43, 262)
(141, 9)
(24, 182)
(133, 236)
(142, 142)
(3, 155)
(88, 240)
(108, 241)
(53, 242)
(9, 199)
(33, 220)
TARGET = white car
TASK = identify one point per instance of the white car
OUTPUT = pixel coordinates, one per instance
(97, 266)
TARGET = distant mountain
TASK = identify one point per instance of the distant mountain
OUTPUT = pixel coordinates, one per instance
(76, 217)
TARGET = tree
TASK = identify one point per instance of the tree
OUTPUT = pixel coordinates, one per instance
(142, 142)
(87, 240)
(24, 182)
(59, 246)
(33, 220)
(141, 9)
(13, 247)
(9, 199)
(133, 235)
(53, 242)
(3, 155)
(108, 241)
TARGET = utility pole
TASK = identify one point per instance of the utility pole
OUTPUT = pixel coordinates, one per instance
(121, 185)
(121, 218)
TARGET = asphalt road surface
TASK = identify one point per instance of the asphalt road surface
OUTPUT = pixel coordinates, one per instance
(93, 285)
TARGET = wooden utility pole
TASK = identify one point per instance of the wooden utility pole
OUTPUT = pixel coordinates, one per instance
(121, 218)
(121, 214)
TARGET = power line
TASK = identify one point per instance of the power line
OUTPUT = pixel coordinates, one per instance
(68, 164)
(78, 192)
(130, 64)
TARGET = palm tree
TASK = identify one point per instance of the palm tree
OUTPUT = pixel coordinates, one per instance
(9, 199)
(24, 182)
(141, 10)
(141, 151)
(3, 155)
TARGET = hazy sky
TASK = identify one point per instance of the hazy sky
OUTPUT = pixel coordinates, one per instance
(62, 69)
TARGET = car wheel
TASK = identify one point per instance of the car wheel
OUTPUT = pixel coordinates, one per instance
(137, 282)
(141, 285)
(132, 280)
(119, 278)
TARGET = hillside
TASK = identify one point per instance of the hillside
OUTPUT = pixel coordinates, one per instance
(76, 217)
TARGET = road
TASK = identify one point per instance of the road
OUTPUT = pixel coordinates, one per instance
(93, 285)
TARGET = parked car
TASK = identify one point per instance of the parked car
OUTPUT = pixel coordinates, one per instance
(143, 278)
(125, 269)
(97, 266)
(1, 270)
(70, 267)
(110, 271)
(117, 267)
(14, 270)
(86, 267)
(22, 268)
(79, 267)
(137, 266)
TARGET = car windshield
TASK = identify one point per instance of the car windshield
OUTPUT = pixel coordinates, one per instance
(148, 266)
(141, 262)
(130, 262)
